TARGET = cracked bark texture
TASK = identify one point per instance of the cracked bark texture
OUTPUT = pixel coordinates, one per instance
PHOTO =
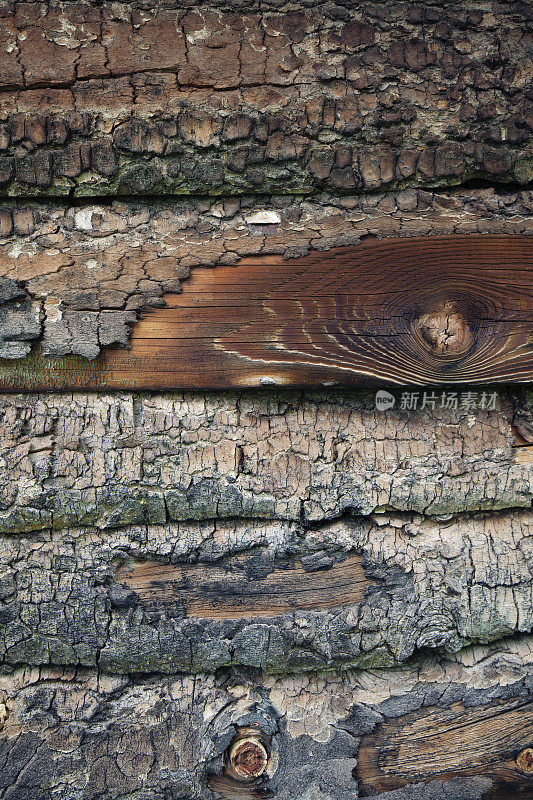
(110, 98)
(74, 733)
(447, 585)
(312, 456)
(364, 109)
(177, 567)
(138, 532)
(250, 484)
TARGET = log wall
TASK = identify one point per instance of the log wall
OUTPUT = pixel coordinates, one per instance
(228, 569)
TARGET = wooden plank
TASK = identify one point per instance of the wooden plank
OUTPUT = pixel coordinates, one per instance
(240, 590)
(437, 310)
(442, 743)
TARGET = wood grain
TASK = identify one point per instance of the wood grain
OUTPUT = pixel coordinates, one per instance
(240, 588)
(442, 743)
(436, 310)
(228, 789)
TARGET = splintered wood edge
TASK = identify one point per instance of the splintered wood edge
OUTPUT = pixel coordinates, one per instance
(442, 743)
(420, 311)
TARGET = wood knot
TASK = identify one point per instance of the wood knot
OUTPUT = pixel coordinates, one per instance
(247, 757)
(445, 331)
(524, 760)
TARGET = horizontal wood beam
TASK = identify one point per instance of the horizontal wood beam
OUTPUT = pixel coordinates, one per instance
(418, 311)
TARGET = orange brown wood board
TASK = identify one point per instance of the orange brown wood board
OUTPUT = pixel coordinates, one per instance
(442, 743)
(419, 311)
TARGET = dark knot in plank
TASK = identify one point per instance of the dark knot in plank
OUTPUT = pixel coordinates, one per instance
(247, 757)
(446, 331)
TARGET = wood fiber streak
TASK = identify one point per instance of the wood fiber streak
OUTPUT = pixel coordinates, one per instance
(442, 743)
(352, 315)
(229, 789)
(419, 311)
(213, 592)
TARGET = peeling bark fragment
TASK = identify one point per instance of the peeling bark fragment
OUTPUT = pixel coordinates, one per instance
(20, 320)
(10, 290)
(95, 267)
(82, 732)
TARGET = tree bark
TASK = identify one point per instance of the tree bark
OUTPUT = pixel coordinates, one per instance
(216, 587)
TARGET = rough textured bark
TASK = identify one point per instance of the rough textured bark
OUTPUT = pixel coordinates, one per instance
(115, 460)
(106, 98)
(420, 556)
(428, 584)
(180, 569)
(72, 733)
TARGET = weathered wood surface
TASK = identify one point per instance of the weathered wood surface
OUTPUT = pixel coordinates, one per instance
(440, 743)
(118, 98)
(432, 506)
(177, 568)
(73, 279)
(242, 588)
(405, 599)
(442, 310)
(72, 733)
